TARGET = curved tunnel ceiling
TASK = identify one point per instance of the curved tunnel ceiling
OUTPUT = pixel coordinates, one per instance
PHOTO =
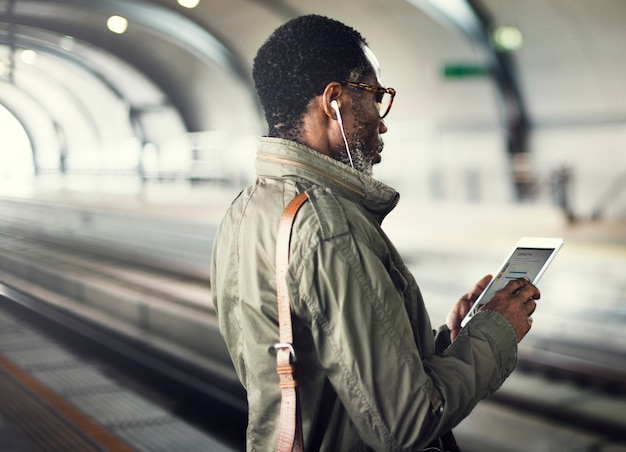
(225, 34)
(175, 47)
(74, 88)
(177, 54)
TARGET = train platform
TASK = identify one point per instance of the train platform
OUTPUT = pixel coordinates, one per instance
(447, 246)
(55, 399)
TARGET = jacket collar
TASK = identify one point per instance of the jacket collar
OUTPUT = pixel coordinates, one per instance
(283, 158)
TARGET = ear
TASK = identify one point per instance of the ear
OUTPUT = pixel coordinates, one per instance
(332, 92)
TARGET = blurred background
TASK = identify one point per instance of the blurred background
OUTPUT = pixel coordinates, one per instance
(128, 126)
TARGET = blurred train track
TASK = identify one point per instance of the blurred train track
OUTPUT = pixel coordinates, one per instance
(176, 385)
(588, 370)
(584, 364)
(562, 386)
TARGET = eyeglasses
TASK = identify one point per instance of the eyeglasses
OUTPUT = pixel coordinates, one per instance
(384, 96)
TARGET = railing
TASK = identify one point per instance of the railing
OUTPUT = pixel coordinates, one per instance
(611, 195)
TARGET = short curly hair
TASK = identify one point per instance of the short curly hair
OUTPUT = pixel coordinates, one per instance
(297, 62)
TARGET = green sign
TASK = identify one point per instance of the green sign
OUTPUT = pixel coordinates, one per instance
(465, 70)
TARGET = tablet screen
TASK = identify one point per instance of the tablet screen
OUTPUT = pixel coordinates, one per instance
(530, 259)
(524, 262)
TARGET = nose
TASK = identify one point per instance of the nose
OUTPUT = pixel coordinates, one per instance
(382, 127)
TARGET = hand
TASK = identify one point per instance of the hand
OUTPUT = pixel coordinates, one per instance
(462, 307)
(516, 302)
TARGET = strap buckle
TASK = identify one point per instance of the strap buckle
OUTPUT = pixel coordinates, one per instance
(285, 345)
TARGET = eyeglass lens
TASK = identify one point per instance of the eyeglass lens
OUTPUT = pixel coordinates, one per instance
(384, 102)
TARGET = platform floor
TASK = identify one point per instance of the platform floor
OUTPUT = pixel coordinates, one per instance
(56, 400)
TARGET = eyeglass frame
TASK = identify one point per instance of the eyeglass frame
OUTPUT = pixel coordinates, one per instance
(377, 90)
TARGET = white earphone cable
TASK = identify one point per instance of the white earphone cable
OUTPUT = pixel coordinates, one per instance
(343, 134)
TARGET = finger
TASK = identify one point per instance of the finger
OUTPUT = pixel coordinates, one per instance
(529, 291)
(479, 287)
(516, 285)
(530, 306)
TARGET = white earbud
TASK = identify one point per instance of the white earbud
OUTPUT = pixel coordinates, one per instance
(335, 106)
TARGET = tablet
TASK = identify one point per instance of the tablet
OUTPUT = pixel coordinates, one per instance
(530, 258)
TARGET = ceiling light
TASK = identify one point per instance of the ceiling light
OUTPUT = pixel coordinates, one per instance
(188, 3)
(67, 42)
(28, 56)
(507, 38)
(117, 24)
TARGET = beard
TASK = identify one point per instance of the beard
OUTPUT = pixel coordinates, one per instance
(362, 154)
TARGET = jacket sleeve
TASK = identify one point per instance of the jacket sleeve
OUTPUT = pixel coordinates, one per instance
(396, 398)
(442, 338)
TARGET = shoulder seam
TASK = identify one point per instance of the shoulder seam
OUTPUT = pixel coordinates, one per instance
(328, 211)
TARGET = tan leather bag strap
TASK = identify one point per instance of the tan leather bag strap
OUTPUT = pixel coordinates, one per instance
(290, 426)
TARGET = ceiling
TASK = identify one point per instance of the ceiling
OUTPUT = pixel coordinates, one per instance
(201, 57)
(568, 73)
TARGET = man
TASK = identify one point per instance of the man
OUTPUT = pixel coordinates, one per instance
(370, 375)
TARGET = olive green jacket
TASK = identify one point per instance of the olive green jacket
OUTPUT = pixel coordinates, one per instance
(367, 367)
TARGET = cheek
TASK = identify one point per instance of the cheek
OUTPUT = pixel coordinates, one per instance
(364, 130)
(366, 122)
(367, 133)
(366, 112)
